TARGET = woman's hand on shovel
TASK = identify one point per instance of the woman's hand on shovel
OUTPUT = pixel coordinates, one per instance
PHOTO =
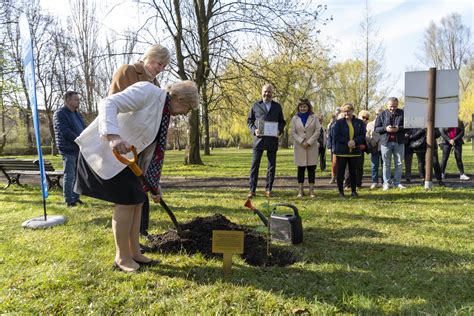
(156, 198)
(118, 144)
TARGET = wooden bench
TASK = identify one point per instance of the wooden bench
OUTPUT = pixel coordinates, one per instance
(14, 168)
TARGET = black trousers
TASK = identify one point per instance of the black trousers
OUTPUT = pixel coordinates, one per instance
(311, 174)
(457, 155)
(256, 158)
(145, 219)
(322, 158)
(408, 161)
(421, 156)
(359, 172)
(341, 166)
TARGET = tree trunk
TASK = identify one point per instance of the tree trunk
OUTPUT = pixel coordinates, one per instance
(54, 150)
(205, 120)
(3, 141)
(29, 133)
(193, 156)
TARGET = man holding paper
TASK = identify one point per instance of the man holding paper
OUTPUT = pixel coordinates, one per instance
(266, 123)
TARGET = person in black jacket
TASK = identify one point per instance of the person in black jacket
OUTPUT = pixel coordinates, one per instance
(334, 118)
(417, 144)
(68, 124)
(322, 145)
(452, 139)
(348, 137)
(265, 114)
(408, 155)
(389, 125)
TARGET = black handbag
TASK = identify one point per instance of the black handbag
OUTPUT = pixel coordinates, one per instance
(419, 143)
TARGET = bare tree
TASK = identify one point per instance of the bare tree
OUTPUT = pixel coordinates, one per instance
(206, 32)
(83, 24)
(38, 23)
(447, 45)
(372, 55)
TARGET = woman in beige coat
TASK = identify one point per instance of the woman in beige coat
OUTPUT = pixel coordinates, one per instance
(305, 129)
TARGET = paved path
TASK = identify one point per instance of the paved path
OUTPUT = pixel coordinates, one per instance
(285, 182)
(451, 181)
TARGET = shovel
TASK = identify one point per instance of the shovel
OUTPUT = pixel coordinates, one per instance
(132, 164)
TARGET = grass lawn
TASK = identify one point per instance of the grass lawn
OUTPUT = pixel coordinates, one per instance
(232, 162)
(402, 252)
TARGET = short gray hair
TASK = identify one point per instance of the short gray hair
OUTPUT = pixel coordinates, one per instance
(186, 92)
(159, 53)
(267, 85)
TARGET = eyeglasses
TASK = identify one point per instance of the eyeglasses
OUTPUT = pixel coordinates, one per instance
(365, 118)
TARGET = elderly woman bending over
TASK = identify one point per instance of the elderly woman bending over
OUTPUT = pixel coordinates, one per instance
(137, 116)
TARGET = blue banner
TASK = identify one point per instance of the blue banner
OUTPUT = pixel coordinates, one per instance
(29, 67)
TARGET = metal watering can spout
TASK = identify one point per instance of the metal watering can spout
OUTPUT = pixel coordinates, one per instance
(248, 204)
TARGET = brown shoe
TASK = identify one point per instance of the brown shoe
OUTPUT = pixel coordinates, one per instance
(268, 194)
(250, 195)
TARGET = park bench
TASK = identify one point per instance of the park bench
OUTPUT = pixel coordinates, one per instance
(14, 168)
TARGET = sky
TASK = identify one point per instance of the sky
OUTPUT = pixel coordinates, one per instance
(400, 24)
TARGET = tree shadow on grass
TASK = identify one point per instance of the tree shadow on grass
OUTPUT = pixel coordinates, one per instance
(391, 220)
(342, 273)
(409, 195)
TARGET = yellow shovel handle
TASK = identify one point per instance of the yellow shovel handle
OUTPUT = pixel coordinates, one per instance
(131, 163)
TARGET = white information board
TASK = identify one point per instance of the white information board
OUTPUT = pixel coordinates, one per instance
(416, 99)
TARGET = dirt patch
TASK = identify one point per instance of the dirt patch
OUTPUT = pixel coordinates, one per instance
(197, 237)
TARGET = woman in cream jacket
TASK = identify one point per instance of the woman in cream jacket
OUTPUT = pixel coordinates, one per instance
(153, 62)
(137, 116)
(305, 129)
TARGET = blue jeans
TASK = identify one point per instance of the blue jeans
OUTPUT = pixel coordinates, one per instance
(398, 152)
(375, 160)
(70, 166)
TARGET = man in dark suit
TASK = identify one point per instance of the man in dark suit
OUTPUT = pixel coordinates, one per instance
(265, 113)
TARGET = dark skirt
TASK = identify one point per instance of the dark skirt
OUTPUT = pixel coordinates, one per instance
(125, 188)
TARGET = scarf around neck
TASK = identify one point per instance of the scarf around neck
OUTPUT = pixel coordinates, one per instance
(153, 173)
(303, 117)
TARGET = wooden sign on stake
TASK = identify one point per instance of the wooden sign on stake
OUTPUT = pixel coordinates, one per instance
(227, 242)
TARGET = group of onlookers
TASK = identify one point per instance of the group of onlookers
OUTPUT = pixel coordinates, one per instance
(349, 139)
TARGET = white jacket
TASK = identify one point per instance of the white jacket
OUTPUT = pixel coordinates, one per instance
(134, 114)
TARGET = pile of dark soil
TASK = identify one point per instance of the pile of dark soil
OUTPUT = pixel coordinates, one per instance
(197, 237)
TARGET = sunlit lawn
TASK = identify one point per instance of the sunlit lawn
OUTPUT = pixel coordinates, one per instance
(397, 252)
(232, 162)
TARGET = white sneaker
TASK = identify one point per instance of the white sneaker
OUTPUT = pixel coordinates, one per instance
(464, 177)
(386, 187)
(373, 186)
(401, 187)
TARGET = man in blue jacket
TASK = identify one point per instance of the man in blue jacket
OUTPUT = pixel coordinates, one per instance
(265, 114)
(68, 124)
(389, 124)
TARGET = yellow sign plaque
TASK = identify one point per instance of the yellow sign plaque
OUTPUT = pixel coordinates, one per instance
(227, 242)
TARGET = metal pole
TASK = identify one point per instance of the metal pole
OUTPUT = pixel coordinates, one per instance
(430, 128)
